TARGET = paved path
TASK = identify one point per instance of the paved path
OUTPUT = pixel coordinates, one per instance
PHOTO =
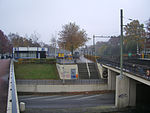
(65, 103)
(4, 72)
(83, 60)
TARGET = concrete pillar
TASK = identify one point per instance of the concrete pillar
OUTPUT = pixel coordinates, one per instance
(111, 80)
(125, 92)
(132, 93)
(122, 91)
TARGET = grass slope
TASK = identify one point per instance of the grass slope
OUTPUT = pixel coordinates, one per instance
(36, 71)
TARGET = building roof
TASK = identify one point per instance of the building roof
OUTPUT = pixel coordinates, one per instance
(30, 49)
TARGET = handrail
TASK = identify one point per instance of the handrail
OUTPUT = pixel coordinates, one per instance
(12, 102)
(132, 67)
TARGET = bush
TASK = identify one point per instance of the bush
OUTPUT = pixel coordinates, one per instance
(92, 58)
(36, 61)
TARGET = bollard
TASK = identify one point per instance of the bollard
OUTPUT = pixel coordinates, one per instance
(22, 106)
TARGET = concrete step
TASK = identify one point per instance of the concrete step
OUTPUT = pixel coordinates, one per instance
(93, 71)
(83, 72)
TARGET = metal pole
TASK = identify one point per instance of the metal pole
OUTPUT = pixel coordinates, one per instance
(145, 47)
(55, 50)
(64, 67)
(94, 47)
(121, 44)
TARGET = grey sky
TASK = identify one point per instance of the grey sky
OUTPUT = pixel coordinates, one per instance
(46, 17)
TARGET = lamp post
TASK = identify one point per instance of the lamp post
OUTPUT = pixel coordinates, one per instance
(121, 43)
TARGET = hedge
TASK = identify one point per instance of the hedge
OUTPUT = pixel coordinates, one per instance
(36, 61)
(92, 58)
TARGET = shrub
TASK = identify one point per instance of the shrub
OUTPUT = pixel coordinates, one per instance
(36, 61)
(92, 58)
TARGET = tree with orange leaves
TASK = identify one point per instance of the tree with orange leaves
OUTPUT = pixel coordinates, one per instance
(72, 37)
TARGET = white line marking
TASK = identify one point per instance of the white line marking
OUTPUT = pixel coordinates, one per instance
(63, 97)
(87, 97)
(40, 97)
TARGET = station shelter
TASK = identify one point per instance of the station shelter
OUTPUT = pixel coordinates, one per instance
(29, 52)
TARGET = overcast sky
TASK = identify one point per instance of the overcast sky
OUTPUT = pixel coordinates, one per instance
(46, 17)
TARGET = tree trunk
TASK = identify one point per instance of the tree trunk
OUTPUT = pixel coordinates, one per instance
(72, 49)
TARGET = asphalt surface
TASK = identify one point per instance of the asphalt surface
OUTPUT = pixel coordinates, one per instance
(4, 72)
(65, 103)
(83, 60)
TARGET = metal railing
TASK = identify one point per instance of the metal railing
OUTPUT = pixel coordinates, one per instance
(60, 82)
(135, 69)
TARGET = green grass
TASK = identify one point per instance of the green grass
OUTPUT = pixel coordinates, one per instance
(36, 71)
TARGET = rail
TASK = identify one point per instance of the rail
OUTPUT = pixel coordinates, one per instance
(60, 82)
(137, 69)
(12, 102)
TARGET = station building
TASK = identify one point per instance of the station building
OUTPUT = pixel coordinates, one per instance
(29, 52)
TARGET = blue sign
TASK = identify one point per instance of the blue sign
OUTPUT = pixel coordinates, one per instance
(42, 49)
(73, 73)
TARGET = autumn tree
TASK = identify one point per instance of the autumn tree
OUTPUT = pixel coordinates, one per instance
(5, 45)
(109, 48)
(148, 28)
(134, 33)
(72, 37)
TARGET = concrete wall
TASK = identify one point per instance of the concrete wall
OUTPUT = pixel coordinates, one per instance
(132, 92)
(12, 92)
(65, 70)
(122, 91)
(101, 69)
(111, 80)
(125, 92)
(61, 88)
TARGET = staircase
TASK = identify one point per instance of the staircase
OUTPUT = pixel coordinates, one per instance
(83, 72)
(93, 71)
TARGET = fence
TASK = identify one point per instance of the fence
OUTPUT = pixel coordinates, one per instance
(60, 82)
(140, 70)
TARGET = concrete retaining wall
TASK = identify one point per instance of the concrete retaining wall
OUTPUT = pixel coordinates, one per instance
(100, 69)
(60, 88)
(65, 70)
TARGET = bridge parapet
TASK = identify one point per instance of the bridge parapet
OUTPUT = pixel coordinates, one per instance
(12, 102)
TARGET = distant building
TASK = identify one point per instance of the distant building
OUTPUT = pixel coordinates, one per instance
(29, 52)
(148, 46)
